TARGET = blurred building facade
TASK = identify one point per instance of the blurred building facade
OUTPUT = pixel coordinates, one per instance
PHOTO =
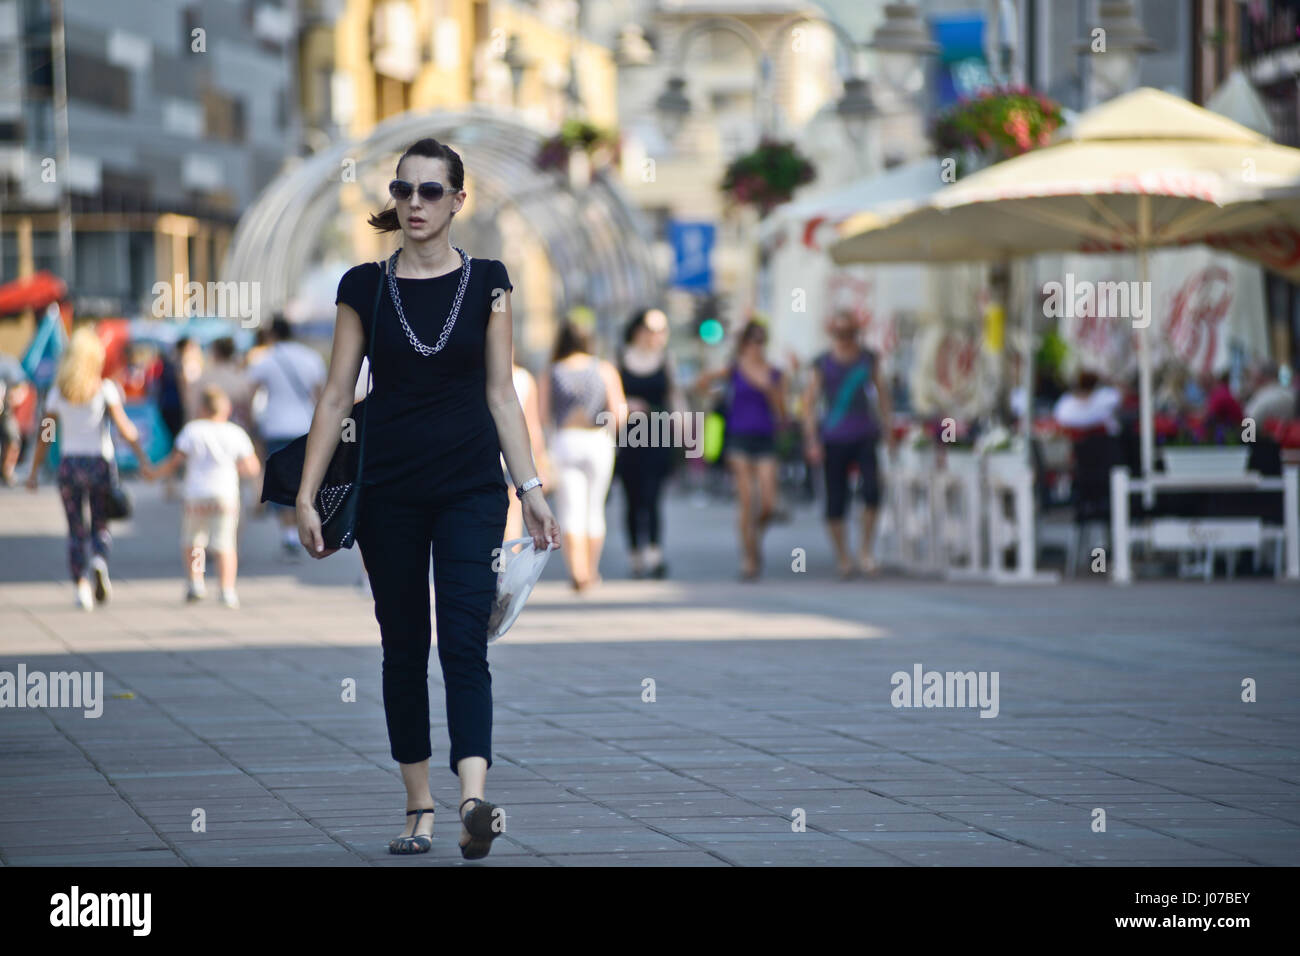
(361, 62)
(717, 47)
(178, 113)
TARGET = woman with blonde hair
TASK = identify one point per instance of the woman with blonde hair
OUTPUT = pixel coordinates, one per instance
(78, 406)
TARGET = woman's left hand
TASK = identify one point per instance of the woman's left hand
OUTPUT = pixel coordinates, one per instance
(539, 521)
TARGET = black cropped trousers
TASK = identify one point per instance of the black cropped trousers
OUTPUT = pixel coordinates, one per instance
(398, 533)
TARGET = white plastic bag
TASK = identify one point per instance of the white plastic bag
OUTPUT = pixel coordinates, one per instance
(515, 582)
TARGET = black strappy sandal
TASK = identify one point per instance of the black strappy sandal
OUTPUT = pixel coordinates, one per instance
(479, 822)
(416, 842)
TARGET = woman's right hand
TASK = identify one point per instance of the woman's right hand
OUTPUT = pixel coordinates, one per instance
(813, 451)
(309, 532)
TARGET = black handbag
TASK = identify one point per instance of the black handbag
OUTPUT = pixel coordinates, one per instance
(119, 500)
(338, 498)
(118, 504)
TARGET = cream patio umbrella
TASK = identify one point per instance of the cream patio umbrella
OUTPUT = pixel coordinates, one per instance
(1144, 170)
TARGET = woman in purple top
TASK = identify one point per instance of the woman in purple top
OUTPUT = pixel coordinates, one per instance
(755, 410)
(845, 433)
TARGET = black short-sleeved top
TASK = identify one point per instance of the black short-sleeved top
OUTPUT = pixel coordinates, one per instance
(429, 431)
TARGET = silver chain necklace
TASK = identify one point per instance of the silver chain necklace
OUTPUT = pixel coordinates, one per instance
(451, 318)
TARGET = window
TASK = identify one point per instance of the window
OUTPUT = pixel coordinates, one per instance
(223, 117)
(97, 81)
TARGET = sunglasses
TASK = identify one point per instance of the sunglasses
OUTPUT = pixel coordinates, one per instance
(429, 192)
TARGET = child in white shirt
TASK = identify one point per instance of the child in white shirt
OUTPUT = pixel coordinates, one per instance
(216, 453)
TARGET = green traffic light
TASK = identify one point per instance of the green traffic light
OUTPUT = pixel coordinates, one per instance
(711, 331)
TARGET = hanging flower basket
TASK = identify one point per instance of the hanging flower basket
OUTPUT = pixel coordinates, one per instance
(998, 124)
(602, 146)
(767, 176)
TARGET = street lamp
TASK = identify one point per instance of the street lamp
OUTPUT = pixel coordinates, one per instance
(517, 62)
(855, 108)
(903, 42)
(673, 107)
(1114, 45)
(572, 96)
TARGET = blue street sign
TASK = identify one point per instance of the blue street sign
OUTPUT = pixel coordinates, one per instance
(692, 243)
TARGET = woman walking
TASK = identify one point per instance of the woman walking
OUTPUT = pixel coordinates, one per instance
(79, 405)
(843, 378)
(755, 412)
(576, 389)
(645, 370)
(442, 410)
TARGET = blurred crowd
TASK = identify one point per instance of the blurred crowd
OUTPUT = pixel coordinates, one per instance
(771, 429)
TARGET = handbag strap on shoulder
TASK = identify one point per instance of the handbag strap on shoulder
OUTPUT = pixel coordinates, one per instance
(370, 367)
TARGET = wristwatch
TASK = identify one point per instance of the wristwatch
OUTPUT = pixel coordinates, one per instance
(530, 483)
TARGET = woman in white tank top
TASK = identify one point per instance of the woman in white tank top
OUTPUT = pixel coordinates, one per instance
(582, 403)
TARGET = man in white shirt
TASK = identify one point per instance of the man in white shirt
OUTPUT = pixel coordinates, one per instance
(290, 376)
(1089, 405)
(216, 453)
(1271, 399)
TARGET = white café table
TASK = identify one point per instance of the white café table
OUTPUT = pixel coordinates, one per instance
(1122, 485)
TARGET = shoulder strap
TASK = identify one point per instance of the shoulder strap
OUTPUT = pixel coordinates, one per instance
(293, 378)
(370, 368)
(855, 379)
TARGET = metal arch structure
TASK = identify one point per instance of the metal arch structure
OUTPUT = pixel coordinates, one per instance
(599, 245)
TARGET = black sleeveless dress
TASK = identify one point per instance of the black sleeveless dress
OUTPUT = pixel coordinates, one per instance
(653, 390)
(429, 432)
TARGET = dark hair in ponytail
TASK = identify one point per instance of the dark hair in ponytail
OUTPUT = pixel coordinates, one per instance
(386, 220)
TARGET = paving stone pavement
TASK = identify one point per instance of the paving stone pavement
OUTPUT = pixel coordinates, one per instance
(770, 708)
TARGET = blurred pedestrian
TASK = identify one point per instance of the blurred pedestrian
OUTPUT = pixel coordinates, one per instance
(649, 383)
(179, 367)
(215, 453)
(1171, 398)
(226, 372)
(262, 342)
(578, 386)
(1091, 406)
(843, 379)
(1221, 406)
(77, 410)
(12, 376)
(441, 412)
(291, 376)
(756, 410)
(1270, 399)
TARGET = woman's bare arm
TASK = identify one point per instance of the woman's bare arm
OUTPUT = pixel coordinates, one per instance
(502, 399)
(336, 400)
(126, 428)
(615, 397)
(886, 402)
(810, 403)
(536, 434)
